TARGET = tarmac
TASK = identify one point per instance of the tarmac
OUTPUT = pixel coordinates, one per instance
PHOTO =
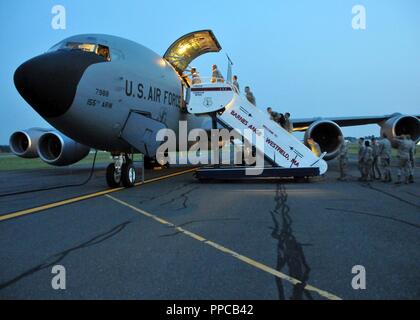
(174, 237)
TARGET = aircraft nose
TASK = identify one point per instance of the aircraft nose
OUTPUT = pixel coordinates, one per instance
(49, 82)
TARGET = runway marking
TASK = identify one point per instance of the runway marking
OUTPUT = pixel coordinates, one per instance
(85, 197)
(228, 251)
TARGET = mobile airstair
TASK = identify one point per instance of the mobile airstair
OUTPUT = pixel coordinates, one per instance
(288, 156)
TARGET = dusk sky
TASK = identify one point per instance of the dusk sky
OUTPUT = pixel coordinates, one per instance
(298, 56)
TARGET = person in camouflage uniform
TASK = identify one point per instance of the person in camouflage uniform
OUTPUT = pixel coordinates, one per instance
(216, 75)
(385, 149)
(412, 161)
(342, 159)
(404, 149)
(359, 156)
(367, 160)
(376, 171)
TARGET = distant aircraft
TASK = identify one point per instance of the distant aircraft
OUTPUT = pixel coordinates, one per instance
(108, 93)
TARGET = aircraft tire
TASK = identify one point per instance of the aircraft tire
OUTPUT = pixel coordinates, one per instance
(112, 179)
(128, 174)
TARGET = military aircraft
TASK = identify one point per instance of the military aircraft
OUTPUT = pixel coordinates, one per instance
(109, 93)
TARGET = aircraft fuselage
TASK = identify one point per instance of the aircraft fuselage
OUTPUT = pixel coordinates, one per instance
(132, 79)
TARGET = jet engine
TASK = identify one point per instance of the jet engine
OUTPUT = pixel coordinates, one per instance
(400, 125)
(59, 150)
(24, 143)
(326, 133)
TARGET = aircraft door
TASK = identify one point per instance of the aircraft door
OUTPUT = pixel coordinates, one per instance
(140, 132)
(189, 47)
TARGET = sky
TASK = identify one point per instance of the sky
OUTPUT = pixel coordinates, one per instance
(301, 56)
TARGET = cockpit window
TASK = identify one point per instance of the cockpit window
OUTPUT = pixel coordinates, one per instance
(89, 47)
(103, 51)
(98, 49)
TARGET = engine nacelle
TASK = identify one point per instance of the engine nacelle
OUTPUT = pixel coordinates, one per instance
(326, 133)
(400, 125)
(24, 143)
(59, 150)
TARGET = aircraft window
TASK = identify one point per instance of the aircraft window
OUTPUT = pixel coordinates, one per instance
(89, 47)
(97, 49)
(116, 55)
(103, 51)
(56, 47)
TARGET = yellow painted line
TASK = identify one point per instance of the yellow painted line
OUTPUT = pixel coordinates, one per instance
(167, 176)
(228, 251)
(84, 197)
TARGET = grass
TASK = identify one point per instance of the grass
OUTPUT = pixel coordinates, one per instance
(11, 162)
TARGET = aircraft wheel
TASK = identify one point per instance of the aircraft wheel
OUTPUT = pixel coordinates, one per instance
(128, 174)
(113, 178)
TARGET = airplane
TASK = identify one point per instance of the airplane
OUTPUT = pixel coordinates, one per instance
(109, 93)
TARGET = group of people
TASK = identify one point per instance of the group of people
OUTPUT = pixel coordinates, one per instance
(216, 76)
(374, 159)
(282, 119)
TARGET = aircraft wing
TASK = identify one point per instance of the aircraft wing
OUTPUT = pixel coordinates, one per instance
(303, 123)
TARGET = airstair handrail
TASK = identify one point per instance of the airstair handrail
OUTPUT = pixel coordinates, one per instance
(235, 112)
(212, 81)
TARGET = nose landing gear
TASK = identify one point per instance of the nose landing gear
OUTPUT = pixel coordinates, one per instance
(122, 171)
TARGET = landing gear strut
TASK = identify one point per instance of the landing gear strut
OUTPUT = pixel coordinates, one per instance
(122, 171)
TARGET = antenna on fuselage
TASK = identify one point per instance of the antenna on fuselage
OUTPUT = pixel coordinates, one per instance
(229, 70)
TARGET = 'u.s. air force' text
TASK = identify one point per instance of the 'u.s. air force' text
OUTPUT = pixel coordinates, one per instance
(151, 93)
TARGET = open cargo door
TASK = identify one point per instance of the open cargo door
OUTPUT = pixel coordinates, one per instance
(190, 46)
